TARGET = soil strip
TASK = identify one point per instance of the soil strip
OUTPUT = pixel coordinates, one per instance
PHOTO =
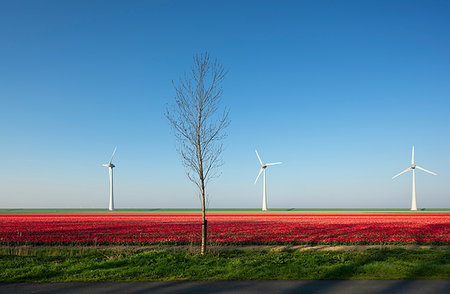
(213, 248)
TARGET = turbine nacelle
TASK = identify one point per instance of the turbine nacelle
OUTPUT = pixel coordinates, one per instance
(413, 166)
(264, 166)
(110, 161)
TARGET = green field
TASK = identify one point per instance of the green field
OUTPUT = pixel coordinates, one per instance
(225, 211)
(64, 265)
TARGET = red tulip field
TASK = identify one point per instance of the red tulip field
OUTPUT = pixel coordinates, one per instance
(224, 229)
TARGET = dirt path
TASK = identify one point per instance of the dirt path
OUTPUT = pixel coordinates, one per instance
(224, 248)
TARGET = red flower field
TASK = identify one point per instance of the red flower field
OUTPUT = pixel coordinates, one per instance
(224, 229)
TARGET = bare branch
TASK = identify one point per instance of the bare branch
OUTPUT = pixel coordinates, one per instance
(198, 125)
(194, 117)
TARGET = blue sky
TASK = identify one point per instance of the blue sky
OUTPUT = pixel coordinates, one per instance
(337, 90)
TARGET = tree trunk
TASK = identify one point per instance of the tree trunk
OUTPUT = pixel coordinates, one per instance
(204, 222)
(196, 126)
(204, 234)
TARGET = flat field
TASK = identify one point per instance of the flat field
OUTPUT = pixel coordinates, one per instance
(212, 211)
(224, 229)
(55, 245)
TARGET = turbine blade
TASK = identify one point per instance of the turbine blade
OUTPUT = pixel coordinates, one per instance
(412, 158)
(425, 170)
(260, 171)
(274, 163)
(105, 165)
(113, 154)
(258, 157)
(401, 173)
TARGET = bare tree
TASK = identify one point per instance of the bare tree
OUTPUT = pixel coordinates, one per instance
(199, 124)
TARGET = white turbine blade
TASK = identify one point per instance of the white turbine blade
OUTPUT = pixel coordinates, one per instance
(401, 172)
(105, 165)
(260, 171)
(274, 163)
(258, 157)
(412, 158)
(430, 172)
(113, 154)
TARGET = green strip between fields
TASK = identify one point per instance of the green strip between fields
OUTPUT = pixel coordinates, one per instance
(222, 210)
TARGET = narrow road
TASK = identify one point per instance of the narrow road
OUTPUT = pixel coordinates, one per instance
(236, 287)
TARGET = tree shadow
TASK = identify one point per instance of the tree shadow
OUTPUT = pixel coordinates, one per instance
(348, 271)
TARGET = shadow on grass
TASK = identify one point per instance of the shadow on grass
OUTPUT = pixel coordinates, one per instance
(351, 269)
(434, 264)
(403, 264)
(165, 265)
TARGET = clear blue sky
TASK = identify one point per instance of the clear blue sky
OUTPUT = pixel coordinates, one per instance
(337, 90)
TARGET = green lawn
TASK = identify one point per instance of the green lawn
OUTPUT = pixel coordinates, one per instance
(76, 264)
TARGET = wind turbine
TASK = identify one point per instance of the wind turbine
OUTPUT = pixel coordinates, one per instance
(111, 166)
(263, 168)
(413, 168)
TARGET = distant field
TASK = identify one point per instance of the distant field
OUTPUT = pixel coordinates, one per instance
(226, 211)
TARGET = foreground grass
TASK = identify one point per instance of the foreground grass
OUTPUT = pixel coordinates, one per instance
(64, 265)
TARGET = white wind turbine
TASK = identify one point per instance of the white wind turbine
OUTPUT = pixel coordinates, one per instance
(413, 168)
(111, 166)
(263, 168)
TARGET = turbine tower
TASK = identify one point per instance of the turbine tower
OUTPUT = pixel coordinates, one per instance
(263, 168)
(111, 195)
(413, 168)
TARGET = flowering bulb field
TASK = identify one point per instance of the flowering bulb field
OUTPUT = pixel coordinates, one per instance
(224, 229)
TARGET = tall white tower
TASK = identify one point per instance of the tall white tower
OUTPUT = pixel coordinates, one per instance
(263, 169)
(413, 168)
(110, 166)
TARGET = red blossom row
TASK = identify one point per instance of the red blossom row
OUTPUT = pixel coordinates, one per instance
(225, 229)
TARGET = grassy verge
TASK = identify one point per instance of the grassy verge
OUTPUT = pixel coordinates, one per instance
(72, 264)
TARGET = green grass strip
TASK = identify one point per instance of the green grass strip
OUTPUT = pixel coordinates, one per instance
(217, 210)
(69, 265)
